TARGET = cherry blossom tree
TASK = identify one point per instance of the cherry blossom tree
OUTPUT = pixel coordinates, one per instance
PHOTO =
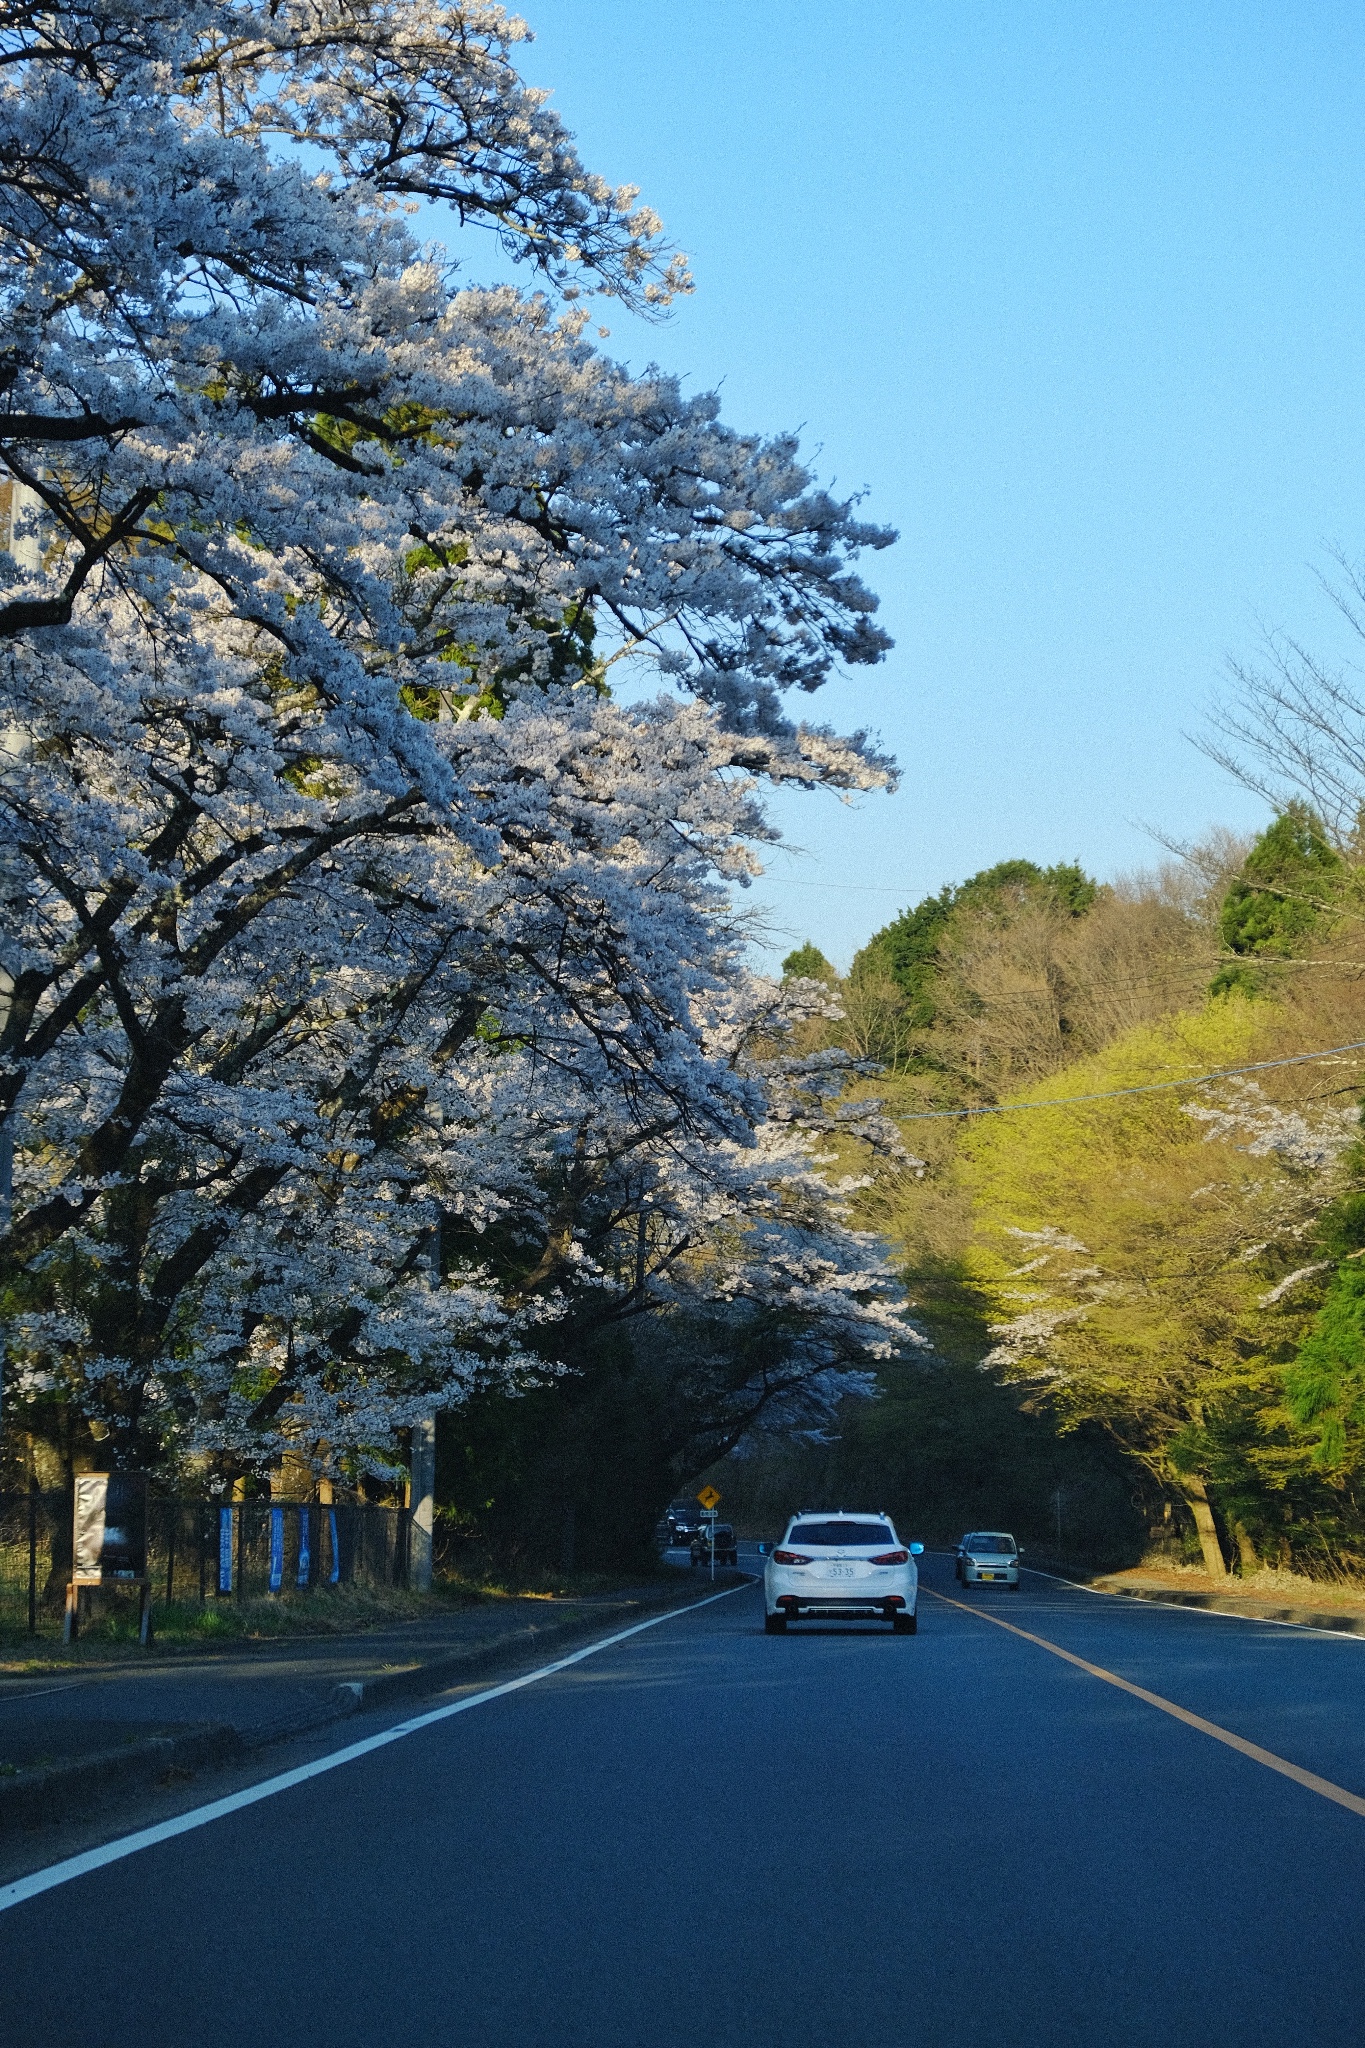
(352, 924)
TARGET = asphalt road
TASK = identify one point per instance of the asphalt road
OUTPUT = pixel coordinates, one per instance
(832, 1839)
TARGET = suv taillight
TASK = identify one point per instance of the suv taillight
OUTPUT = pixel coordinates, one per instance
(893, 1557)
(789, 1557)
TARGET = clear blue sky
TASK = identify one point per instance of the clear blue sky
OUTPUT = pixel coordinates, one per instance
(1076, 293)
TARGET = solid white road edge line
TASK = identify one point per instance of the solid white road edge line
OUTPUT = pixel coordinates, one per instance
(200, 1816)
(1304, 1628)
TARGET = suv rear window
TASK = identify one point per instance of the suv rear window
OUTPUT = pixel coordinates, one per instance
(837, 1535)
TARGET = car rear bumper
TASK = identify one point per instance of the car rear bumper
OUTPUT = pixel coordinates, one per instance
(840, 1607)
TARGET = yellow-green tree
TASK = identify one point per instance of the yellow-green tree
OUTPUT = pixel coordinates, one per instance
(1146, 1258)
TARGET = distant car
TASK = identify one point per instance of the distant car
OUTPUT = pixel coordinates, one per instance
(683, 1524)
(987, 1557)
(719, 1534)
(841, 1567)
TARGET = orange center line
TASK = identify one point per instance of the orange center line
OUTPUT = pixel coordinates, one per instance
(1324, 1787)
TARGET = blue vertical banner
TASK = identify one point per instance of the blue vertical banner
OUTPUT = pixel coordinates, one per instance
(305, 1556)
(336, 1546)
(225, 1550)
(276, 1549)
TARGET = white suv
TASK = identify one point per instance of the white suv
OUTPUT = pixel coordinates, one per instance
(841, 1567)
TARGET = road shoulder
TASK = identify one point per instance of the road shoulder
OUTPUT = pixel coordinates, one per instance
(220, 1724)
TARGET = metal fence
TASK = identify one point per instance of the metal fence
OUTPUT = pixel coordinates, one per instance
(205, 1550)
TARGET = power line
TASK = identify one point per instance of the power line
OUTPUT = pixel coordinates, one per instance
(857, 888)
(1297, 1059)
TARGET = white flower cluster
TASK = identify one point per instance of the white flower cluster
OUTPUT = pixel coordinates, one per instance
(1271, 1131)
(1022, 1344)
(376, 1024)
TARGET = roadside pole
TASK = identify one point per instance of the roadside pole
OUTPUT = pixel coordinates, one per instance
(710, 1501)
(423, 1516)
(422, 1513)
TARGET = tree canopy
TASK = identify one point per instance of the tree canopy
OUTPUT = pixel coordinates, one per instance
(377, 1032)
(1173, 1271)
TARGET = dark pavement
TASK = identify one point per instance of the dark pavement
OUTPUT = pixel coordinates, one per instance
(267, 1688)
(834, 1837)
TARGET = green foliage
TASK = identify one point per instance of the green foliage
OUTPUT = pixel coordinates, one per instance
(1173, 1302)
(1130, 1258)
(808, 963)
(1114, 1230)
(1238, 980)
(1325, 1385)
(1341, 1227)
(1083, 1166)
(945, 1448)
(906, 951)
(1187, 1292)
(1286, 892)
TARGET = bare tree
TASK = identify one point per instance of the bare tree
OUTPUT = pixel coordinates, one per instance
(1027, 987)
(1293, 726)
(874, 1019)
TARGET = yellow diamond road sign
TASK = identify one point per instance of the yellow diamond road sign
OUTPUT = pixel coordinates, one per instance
(708, 1497)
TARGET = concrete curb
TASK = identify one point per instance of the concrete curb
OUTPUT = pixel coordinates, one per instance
(1241, 1610)
(50, 1792)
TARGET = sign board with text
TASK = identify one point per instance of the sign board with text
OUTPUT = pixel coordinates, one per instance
(110, 1534)
(109, 1543)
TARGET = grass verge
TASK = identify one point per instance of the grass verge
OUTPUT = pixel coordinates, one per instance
(184, 1626)
(1287, 1589)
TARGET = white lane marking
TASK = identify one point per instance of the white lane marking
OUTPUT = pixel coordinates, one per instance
(8, 1698)
(200, 1816)
(1305, 1628)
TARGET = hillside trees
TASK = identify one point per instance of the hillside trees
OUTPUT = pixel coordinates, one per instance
(372, 974)
(1142, 1254)
(998, 980)
(1152, 1263)
(808, 963)
(1175, 1270)
(1290, 889)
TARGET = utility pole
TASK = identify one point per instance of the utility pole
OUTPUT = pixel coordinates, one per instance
(422, 1523)
(422, 1518)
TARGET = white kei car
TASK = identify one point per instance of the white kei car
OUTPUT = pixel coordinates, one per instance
(841, 1567)
(988, 1557)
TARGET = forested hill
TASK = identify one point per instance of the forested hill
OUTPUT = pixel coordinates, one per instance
(1170, 1278)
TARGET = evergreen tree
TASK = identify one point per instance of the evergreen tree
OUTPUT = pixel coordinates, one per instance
(808, 963)
(1289, 880)
(1325, 1386)
(906, 951)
